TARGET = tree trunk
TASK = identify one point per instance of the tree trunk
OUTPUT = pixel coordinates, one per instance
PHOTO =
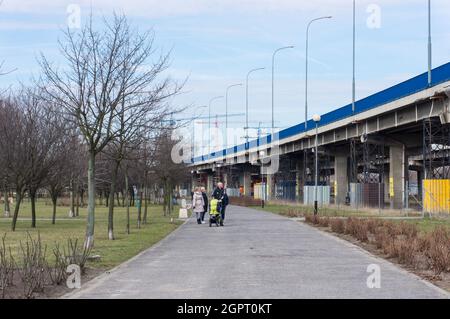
(54, 201)
(82, 197)
(16, 209)
(139, 219)
(77, 200)
(72, 199)
(33, 208)
(144, 220)
(7, 212)
(89, 240)
(127, 200)
(111, 202)
(107, 199)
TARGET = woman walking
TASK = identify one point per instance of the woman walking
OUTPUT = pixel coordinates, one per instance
(198, 204)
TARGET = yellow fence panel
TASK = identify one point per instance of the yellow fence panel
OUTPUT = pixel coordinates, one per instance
(436, 196)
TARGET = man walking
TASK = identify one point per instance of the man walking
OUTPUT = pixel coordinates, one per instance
(220, 194)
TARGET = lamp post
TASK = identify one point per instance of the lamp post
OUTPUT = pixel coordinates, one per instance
(429, 44)
(193, 130)
(209, 122)
(246, 101)
(273, 81)
(306, 73)
(226, 111)
(354, 58)
(316, 119)
(264, 193)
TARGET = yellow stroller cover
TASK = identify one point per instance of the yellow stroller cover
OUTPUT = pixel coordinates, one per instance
(214, 204)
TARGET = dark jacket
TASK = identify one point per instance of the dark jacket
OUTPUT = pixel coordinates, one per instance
(205, 201)
(221, 194)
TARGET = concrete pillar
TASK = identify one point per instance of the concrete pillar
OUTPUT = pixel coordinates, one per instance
(247, 183)
(341, 178)
(419, 184)
(225, 179)
(397, 176)
(299, 180)
(269, 179)
(210, 183)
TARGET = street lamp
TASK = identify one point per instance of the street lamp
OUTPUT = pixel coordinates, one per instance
(264, 193)
(193, 130)
(226, 112)
(316, 119)
(209, 122)
(306, 73)
(429, 44)
(246, 101)
(273, 81)
(354, 58)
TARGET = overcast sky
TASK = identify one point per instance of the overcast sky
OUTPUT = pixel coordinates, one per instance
(215, 43)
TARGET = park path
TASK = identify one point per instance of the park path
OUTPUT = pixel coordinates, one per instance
(256, 255)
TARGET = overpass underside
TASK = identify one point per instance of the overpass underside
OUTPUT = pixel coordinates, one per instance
(379, 159)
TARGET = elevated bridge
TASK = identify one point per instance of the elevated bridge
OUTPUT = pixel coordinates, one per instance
(396, 138)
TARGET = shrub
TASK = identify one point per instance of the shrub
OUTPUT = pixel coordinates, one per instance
(337, 225)
(439, 250)
(407, 229)
(7, 267)
(406, 250)
(350, 226)
(309, 218)
(324, 221)
(34, 265)
(361, 230)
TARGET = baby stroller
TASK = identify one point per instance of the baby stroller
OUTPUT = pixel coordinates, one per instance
(214, 213)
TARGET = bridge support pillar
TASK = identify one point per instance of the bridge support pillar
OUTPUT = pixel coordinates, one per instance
(269, 179)
(341, 178)
(210, 184)
(247, 183)
(398, 166)
(299, 181)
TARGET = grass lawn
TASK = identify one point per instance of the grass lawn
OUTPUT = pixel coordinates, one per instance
(291, 210)
(112, 252)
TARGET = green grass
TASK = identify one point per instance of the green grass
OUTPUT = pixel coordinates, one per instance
(112, 252)
(425, 224)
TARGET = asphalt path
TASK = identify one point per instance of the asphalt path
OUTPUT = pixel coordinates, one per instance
(256, 255)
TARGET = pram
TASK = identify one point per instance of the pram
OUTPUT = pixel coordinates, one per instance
(214, 213)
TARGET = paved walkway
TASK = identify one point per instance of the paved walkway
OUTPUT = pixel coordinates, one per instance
(256, 255)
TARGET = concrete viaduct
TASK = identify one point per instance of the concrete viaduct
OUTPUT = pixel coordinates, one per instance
(394, 139)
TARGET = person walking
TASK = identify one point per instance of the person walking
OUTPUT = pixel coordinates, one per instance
(205, 206)
(220, 194)
(198, 204)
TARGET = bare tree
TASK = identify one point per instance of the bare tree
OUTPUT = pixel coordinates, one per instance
(46, 135)
(166, 170)
(103, 69)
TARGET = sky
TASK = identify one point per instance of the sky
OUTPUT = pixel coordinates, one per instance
(215, 43)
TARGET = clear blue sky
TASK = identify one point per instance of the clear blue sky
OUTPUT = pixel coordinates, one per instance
(215, 43)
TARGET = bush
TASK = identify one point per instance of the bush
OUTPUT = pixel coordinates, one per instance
(309, 218)
(7, 267)
(350, 226)
(34, 265)
(406, 251)
(407, 229)
(324, 221)
(361, 230)
(337, 225)
(439, 250)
